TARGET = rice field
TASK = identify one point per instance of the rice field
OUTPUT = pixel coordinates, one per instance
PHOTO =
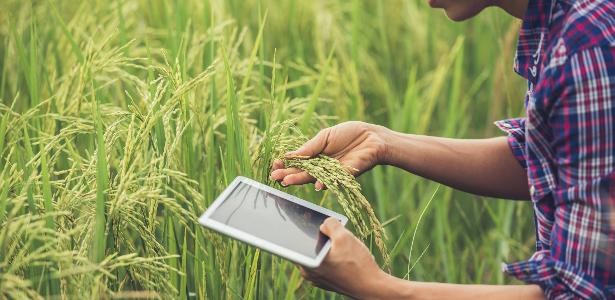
(121, 121)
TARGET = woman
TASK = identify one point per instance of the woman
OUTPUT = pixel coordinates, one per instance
(561, 157)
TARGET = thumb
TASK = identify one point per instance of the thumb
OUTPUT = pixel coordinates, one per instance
(312, 147)
(331, 227)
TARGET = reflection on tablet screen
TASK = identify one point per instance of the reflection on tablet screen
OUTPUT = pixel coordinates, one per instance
(272, 218)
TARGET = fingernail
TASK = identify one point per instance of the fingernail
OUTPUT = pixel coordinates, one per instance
(283, 183)
(317, 188)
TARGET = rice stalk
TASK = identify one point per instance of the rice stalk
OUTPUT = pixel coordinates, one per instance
(185, 92)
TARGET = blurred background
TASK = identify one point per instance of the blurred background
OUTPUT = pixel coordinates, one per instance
(120, 121)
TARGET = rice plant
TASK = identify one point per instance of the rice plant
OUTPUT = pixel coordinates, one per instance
(121, 121)
(285, 137)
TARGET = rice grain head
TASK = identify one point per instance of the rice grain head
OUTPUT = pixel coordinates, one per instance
(284, 137)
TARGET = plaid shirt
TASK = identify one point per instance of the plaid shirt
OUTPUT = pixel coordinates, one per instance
(566, 51)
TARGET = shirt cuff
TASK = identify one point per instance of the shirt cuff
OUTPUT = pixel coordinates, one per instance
(557, 279)
(515, 128)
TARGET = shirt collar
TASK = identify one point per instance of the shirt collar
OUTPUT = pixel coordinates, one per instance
(532, 38)
(533, 34)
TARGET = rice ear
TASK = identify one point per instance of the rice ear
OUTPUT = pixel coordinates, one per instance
(338, 179)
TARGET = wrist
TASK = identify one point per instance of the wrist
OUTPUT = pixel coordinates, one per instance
(385, 150)
(386, 286)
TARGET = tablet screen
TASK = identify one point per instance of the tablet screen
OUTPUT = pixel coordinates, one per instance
(272, 218)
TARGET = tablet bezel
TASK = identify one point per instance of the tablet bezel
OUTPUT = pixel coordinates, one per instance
(268, 246)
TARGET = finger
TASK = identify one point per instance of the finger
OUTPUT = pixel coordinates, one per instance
(319, 186)
(350, 166)
(332, 228)
(312, 147)
(303, 272)
(307, 275)
(297, 178)
(322, 285)
(321, 282)
(352, 170)
(281, 173)
(277, 164)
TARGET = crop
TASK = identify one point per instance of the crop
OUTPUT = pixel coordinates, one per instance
(121, 121)
(285, 137)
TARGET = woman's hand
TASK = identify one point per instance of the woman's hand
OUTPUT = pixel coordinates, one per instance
(357, 145)
(349, 268)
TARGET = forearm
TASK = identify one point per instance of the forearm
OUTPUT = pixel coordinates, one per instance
(479, 166)
(395, 288)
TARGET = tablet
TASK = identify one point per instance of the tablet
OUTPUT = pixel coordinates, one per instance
(271, 220)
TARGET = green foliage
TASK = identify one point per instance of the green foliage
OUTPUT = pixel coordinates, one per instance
(121, 121)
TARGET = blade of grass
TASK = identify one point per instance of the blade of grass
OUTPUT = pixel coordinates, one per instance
(416, 227)
(4, 190)
(183, 281)
(3, 127)
(102, 182)
(73, 43)
(252, 58)
(46, 187)
(252, 278)
(311, 106)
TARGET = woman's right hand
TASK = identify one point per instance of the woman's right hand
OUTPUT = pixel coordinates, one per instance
(357, 145)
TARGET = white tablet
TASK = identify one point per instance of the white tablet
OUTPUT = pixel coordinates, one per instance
(272, 220)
